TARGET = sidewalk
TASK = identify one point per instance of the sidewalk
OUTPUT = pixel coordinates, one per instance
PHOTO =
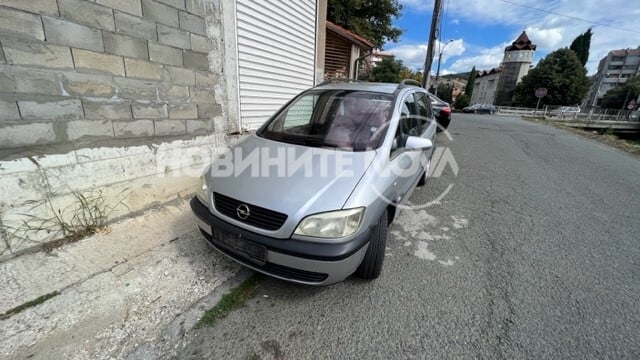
(131, 293)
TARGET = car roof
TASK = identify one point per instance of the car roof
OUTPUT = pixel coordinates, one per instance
(388, 88)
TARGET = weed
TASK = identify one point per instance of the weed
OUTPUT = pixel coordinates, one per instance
(28, 304)
(235, 299)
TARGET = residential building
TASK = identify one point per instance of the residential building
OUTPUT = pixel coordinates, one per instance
(343, 48)
(484, 89)
(614, 70)
(132, 99)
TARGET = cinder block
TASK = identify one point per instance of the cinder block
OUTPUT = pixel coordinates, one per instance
(201, 7)
(201, 44)
(98, 62)
(70, 34)
(170, 127)
(183, 111)
(78, 84)
(201, 96)
(25, 80)
(136, 128)
(22, 52)
(45, 7)
(20, 24)
(192, 23)
(89, 130)
(113, 111)
(87, 13)
(196, 60)
(27, 134)
(143, 69)
(180, 76)
(173, 37)
(149, 111)
(135, 26)
(207, 79)
(165, 54)
(129, 6)
(178, 4)
(160, 13)
(136, 89)
(9, 110)
(175, 94)
(208, 111)
(125, 45)
(54, 110)
(199, 127)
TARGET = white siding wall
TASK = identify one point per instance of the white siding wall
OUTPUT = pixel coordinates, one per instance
(276, 55)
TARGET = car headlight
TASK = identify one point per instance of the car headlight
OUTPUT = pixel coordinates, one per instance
(202, 192)
(334, 224)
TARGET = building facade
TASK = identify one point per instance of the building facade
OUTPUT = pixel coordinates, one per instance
(485, 86)
(126, 102)
(614, 70)
(343, 48)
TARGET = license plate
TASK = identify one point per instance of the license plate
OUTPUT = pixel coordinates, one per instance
(248, 250)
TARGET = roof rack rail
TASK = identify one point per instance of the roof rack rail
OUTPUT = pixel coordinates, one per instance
(339, 80)
(409, 82)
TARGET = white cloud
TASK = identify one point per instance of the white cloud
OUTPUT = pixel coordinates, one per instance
(413, 55)
(484, 60)
(546, 38)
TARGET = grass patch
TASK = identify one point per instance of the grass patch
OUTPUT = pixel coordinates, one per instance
(235, 299)
(20, 308)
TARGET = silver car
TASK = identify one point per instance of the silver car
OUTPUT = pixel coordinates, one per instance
(308, 197)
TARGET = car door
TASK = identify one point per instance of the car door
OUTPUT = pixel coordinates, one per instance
(405, 165)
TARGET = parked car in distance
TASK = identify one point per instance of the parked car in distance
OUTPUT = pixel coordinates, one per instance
(565, 111)
(480, 109)
(442, 110)
(313, 227)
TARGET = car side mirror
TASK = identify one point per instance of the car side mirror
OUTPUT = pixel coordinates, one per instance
(416, 143)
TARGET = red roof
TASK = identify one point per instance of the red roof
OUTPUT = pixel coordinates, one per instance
(353, 37)
(521, 43)
(625, 52)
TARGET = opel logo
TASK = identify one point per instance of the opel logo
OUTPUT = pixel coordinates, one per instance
(243, 211)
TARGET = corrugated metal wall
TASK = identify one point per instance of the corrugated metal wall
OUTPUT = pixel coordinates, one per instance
(276, 55)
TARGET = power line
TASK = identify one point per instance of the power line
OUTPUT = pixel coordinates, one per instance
(569, 16)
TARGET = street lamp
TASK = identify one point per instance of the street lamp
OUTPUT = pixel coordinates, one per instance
(442, 47)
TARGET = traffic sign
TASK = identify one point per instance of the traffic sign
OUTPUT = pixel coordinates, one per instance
(541, 92)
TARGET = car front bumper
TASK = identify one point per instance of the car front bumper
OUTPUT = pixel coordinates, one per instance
(293, 260)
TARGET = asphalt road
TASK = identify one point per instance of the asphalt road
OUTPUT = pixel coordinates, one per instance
(533, 253)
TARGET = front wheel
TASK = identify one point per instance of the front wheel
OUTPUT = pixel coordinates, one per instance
(371, 265)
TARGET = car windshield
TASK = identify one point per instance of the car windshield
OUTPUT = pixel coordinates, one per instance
(343, 119)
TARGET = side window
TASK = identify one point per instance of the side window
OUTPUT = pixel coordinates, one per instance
(424, 109)
(409, 124)
(300, 113)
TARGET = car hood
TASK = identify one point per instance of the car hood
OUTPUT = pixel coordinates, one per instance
(292, 179)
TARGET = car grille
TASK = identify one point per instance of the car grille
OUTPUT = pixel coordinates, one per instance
(270, 268)
(259, 217)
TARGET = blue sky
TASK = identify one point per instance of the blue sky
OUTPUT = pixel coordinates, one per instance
(480, 29)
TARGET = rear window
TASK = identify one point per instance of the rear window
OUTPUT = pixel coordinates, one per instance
(344, 119)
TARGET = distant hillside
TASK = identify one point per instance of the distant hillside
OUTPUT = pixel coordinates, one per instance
(464, 76)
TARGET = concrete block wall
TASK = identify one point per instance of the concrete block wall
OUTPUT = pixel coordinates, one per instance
(125, 97)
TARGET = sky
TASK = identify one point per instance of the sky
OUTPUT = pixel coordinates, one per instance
(477, 31)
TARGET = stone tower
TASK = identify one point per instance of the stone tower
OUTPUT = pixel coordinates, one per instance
(516, 63)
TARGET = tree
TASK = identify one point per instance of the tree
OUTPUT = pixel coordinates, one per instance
(371, 19)
(581, 45)
(561, 73)
(471, 82)
(462, 101)
(445, 92)
(619, 96)
(388, 70)
(407, 73)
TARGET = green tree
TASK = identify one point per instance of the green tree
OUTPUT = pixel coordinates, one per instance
(407, 73)
(372, 19)
(387, 70)
(462, 101)
(561, 73)
(581, 45)
(616, 97)
(445, 92)
(470, 82)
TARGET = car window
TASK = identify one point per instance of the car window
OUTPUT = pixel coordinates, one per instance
(424, 109)
(344, 119)
(408, 125)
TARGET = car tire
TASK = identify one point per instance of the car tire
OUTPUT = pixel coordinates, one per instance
(425, 174)
(443, 124)
(371, 264)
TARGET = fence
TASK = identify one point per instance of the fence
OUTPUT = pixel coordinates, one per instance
(594, 114)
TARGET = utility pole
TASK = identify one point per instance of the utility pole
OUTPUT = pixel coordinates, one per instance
(433, 35)
(440, 60)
